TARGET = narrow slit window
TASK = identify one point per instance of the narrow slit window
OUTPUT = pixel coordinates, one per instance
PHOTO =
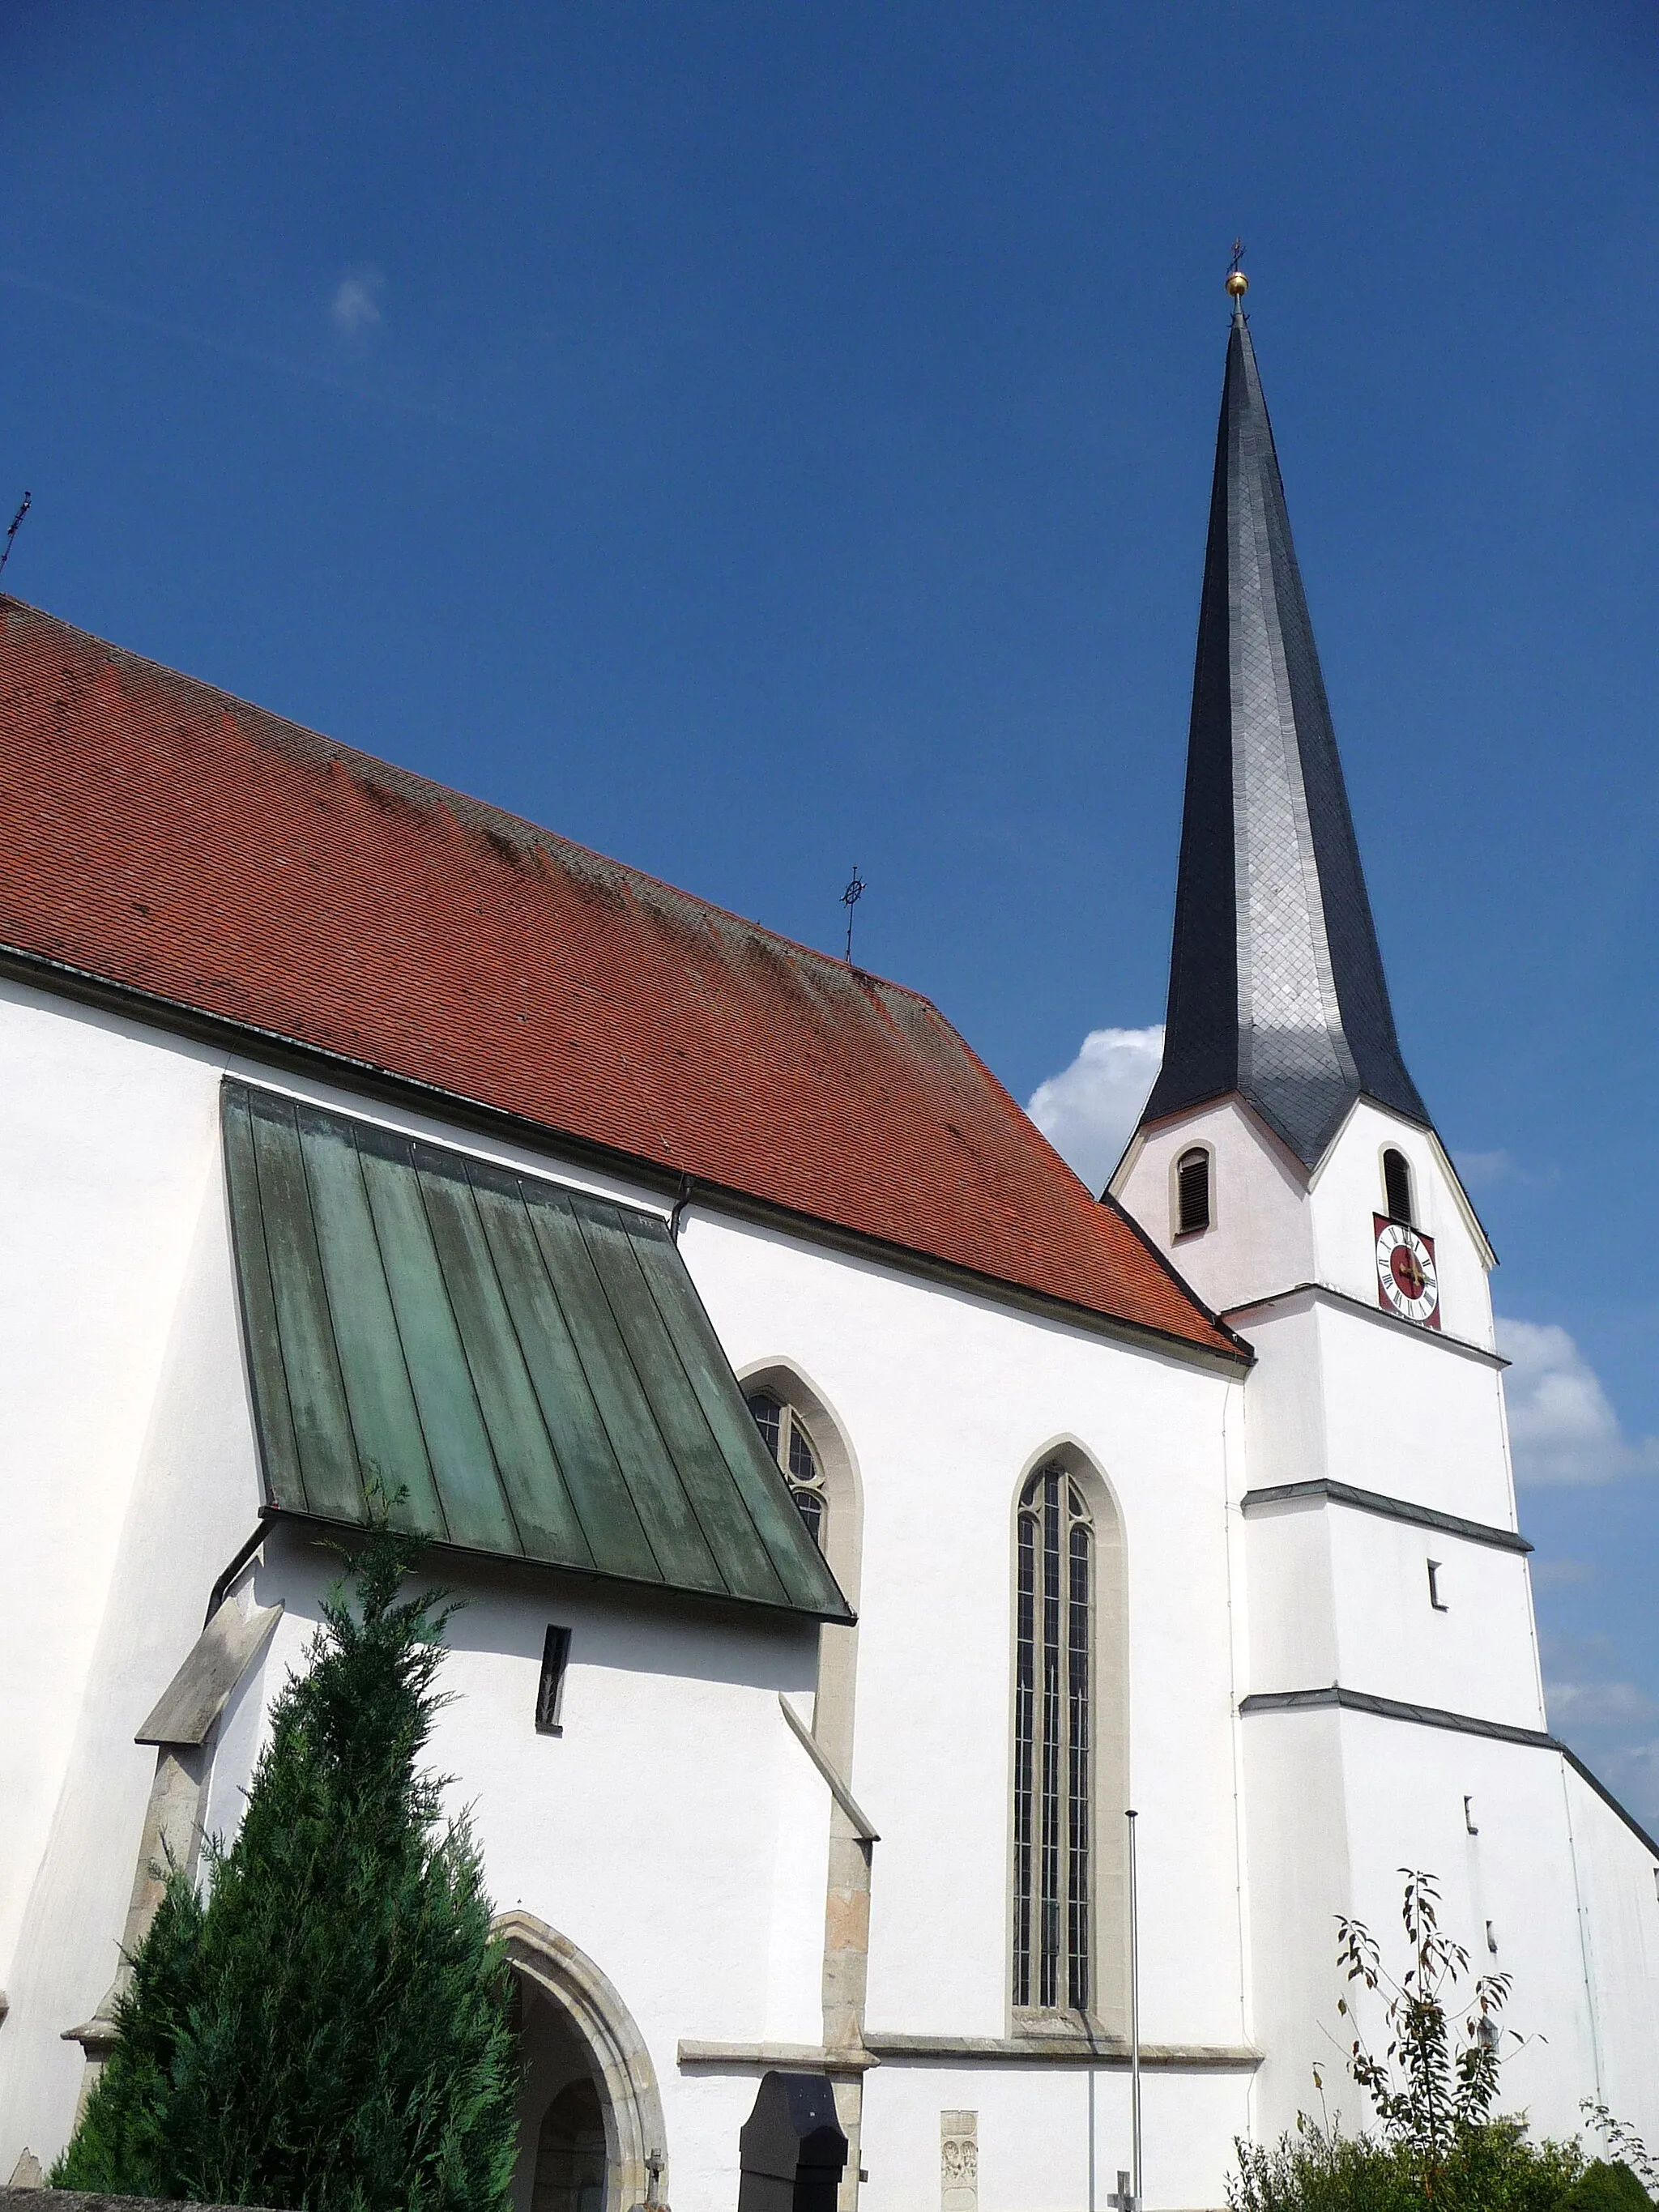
(1053, 1787)
(550, 1691)
(1192, 1192)
(1435, 1598)
(1397, 1186)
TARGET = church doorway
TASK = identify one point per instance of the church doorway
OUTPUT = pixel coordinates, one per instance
(590, 2119)
(563, 2165)
(570, 2160)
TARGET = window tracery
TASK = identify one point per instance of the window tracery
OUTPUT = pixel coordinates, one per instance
(1053, 1809)
(787, 1439)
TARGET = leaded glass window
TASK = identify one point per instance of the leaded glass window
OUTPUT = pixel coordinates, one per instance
(1053, 1765)
(786, 1438)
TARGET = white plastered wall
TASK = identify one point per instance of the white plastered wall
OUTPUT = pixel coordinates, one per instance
(1356, 1398)
(1338, 1800)
(948, 1399)
(1341, 1595)
(1050, 2140)
(675, 1832)
(1276, 1226)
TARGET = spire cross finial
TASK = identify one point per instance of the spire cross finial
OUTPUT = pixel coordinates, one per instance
(1237, 283)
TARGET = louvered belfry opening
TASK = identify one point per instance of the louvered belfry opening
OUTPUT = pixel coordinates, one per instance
(1193, 1192)
(1397, 1185)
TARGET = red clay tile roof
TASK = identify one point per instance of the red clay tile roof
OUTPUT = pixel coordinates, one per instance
(166, 837)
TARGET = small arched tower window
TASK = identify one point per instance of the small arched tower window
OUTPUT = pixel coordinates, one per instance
(790, 1445)
(1397, 1186)
(1192, 1192)
(1054, 1729)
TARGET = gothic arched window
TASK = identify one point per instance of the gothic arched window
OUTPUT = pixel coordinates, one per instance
(1053, 1782)
(1193, 1191)
(789, 1444)
(1397, 1186)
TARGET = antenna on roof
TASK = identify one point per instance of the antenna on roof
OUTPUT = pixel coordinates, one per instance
(849, 899)
(16, 520)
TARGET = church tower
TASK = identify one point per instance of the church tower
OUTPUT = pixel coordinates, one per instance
(1389, 1699)
(1285, 1143)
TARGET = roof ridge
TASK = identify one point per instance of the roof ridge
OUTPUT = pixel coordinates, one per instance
(461, 803)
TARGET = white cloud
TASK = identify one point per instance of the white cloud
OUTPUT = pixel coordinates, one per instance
(1631, 1770)
(1089, 1109)
(1562, 1424)
(1612, 1722)
(1484, 1167)
(355, 309)
(1599, 1704)
(1558, 1574)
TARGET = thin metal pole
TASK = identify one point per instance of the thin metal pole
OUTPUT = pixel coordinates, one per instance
(1134, 2016)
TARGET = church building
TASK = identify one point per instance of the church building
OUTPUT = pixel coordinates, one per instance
(858, 1518)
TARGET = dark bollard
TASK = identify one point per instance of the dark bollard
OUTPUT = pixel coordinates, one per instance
(791, 2148)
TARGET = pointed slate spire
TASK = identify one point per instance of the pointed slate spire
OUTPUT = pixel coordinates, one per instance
(1276, 984)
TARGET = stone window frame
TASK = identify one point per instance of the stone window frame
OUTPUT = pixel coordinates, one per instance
(1107, 2012)
(846, 1904)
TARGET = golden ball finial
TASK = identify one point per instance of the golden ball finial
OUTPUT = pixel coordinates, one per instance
(1237, 283)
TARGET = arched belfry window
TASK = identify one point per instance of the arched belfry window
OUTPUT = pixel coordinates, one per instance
(1192, 1192)
(788, 1441)
(1397, 1186)
(1053, 1784)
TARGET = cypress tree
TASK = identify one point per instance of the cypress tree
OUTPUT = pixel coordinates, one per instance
(329, 2029)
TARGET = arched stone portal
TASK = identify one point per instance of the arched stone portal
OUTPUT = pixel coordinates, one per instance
(589, 2069)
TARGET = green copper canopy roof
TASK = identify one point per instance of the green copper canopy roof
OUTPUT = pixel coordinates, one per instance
(531, 1363)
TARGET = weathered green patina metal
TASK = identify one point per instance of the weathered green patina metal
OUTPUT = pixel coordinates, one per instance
(529, 1364)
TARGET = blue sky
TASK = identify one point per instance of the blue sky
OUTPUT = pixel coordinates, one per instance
(755, 439)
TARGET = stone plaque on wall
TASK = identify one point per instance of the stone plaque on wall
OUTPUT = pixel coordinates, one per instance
(959, 2161)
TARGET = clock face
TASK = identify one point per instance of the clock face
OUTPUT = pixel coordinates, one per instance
(1406, 1283)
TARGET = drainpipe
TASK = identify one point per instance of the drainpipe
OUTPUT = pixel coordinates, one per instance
(683, 1199)
(1134, 2016)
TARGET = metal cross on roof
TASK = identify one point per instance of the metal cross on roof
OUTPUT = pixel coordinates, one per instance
(16, 524)
(849, 899)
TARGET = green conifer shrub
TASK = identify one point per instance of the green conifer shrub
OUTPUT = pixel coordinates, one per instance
(329, 2030)
(1606, 2186)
